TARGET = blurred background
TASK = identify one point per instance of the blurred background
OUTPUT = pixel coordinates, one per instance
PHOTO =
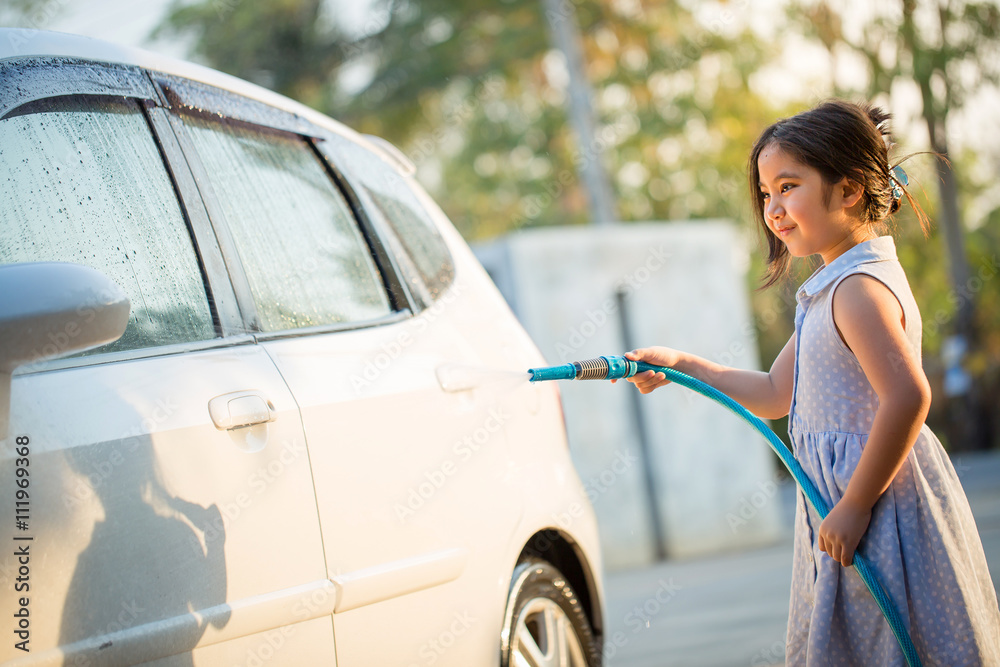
(481, 96)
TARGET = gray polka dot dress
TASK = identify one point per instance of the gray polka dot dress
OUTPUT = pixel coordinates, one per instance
(922, 540)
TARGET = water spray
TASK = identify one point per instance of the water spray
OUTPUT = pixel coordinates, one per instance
(616, 367)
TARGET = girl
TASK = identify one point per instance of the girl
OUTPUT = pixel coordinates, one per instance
(851, 381)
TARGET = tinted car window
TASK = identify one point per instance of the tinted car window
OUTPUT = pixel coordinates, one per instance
(305, 258)
(411, 228)
(81, 180)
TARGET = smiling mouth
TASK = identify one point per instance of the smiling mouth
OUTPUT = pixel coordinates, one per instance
(784, 231)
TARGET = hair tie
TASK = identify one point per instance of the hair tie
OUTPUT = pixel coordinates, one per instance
(898, 177)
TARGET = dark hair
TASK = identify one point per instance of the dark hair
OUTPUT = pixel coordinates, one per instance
(840, 140)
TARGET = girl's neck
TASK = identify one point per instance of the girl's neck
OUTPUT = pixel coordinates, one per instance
(859, 234)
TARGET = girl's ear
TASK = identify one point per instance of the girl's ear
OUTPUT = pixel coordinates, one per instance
(850, 192)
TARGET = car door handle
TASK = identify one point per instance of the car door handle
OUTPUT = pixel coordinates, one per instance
(239, 409)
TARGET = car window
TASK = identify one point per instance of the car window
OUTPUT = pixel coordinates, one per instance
(82, 180)
(412, 230)
(304, 256)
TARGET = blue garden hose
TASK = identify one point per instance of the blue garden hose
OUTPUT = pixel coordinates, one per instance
(616, 367)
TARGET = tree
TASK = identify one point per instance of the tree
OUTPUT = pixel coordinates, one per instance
(676, 112)
(288, 46)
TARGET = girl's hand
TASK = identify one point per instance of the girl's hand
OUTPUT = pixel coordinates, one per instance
(842, 530)
(647, 381)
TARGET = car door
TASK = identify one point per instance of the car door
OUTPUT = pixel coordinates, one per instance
(412, 423)
(172, 516)
(407, 474)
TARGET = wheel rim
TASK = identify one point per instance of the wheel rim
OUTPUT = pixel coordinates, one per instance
(544, 637)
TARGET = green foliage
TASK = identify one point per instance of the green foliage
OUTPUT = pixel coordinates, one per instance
(427, 47)
(284, 45)
(483, 111)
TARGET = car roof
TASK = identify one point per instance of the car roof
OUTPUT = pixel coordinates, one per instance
(18, 43)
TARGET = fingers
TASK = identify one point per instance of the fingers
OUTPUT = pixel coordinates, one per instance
(842, 555)
(829, 547)
(640, 354)
(647, 381)
(835, 549)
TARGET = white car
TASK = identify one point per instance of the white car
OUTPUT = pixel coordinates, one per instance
(259, 402)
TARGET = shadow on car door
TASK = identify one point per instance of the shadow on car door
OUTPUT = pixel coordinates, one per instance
(172, 514)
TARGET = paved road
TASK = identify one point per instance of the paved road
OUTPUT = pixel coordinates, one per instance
(731, 610)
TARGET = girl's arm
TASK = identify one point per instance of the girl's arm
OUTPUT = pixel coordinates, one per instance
(870, 321)
(767, 395)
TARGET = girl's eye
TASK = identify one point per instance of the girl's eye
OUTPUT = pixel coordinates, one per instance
(764, 195)
(786, 187)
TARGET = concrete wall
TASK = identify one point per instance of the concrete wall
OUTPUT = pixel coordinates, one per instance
(707, 480)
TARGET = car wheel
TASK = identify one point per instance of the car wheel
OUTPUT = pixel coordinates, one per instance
(545, 624)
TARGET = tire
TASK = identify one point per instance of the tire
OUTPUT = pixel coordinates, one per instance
(545, 625)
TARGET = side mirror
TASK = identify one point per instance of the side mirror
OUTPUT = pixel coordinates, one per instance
(48, 309)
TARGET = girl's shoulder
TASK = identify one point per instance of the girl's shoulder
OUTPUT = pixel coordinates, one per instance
(862, 300)
(874, 302)
(881, 282)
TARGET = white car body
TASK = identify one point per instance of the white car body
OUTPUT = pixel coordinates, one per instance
(372, 515)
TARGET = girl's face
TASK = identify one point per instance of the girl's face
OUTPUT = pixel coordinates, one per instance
(809, 216)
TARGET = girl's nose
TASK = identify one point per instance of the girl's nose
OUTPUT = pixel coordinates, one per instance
(774, 211)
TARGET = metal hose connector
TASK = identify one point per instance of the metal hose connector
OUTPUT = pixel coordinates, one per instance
(592, 369)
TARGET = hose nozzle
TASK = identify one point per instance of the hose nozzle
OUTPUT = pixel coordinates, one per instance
(609, 367)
